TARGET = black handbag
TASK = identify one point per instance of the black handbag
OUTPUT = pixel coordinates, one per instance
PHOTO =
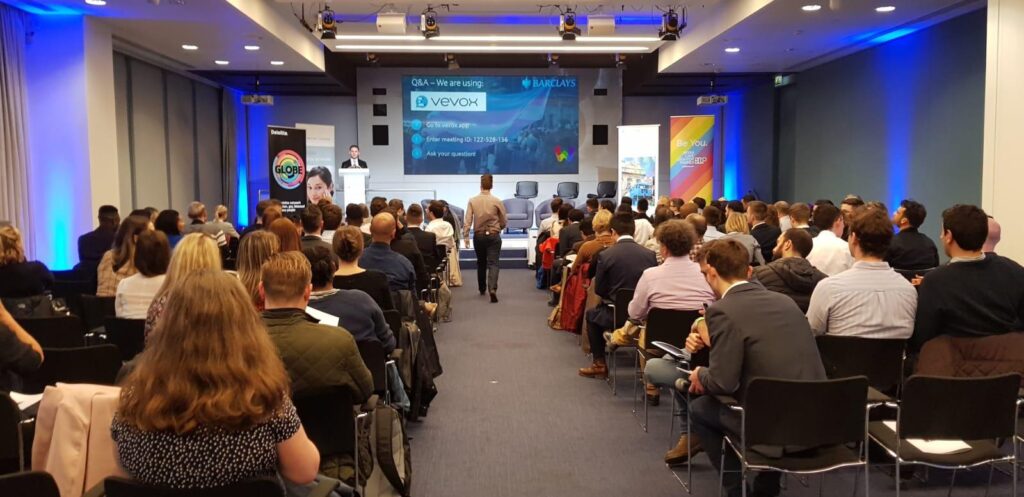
(36, 306)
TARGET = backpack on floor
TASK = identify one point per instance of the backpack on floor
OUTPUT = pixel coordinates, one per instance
(444, 303)
(385, 466)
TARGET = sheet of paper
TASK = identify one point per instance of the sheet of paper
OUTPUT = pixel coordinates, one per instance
(323, 317)
(24, 400)
(934, 446)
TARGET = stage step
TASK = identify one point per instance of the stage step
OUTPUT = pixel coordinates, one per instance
(510, 258)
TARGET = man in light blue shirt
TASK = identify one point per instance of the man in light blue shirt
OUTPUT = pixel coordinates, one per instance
(868, 300)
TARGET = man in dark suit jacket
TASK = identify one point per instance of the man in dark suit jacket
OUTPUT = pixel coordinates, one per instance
(92, 245)
(354, 161)
(616, 267)
(752, 332)
(911, 249)
(765, 234)
(569, 235)
(406, 246)
(425, 240)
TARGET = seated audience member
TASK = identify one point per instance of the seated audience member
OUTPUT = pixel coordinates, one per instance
(194, 413)
(831, 254)
(591, 207)
(547, 223)
(135, 293)
(606, 205)
(170, 223)
(221, 222)
(426, 241)
(761, 229)
(377, 205)
(365, 227)
(975, 294)
(700, 227)
(405, 245)
(753, 333)
(674, 285)
(602, 239)
(117, 263)
(436, 224)
(19, 277)
(799, 216)
(356, 311)
(736, 228)
(348, 246)
(315, 355)
(849, 205)
(354, 215)
(868, 300)
(701, 204)
(661, 215)
(92, 245)
(20, 353)
(686, 209)
(789, 273)
(285, 230)
(312, 228)
(910, 249)
(643, 228)
(995, 233)
(253, 251)
(570, 234)
(675, 204)
(196, 252)
(398, 207)
(782, 210)
(642, 206)
(712, 218)
(271, 214)
(616, 267)
(257, 224)
(587, 230)
(562, 219)
(332, 220)
(197, 213)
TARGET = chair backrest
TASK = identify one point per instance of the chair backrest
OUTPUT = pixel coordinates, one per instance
(517, 205)
(264, 487)
(56, 332)
(129, 335)
(374, 357)
(669, 326)
(29, 483)
(622, 298)
(939, 408)
(526, 189)
(71, 291)
(567, 189)
(805, 413)
(606, 189)
(10, 437)
(96, 364)
(96, 309)
(394, 319)
(328, 419)
(880, 359)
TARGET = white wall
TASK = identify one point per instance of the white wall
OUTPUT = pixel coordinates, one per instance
(387, 170)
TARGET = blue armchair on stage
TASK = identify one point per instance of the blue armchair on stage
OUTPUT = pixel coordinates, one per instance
(519, 212)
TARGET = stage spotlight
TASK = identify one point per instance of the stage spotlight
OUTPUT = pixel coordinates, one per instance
(567, 27)
(620, 60)
(553, 59)
(453, 63)
(372, 59)
(327, 25)
(671, 25)
(428, 23)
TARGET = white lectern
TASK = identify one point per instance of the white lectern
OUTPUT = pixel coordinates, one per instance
(354, 183)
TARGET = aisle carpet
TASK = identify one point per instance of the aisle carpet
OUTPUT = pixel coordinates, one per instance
(513, 419)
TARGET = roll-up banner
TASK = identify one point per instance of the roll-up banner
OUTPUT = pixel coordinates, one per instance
(287, 152)
(638, 162)
(692, 156)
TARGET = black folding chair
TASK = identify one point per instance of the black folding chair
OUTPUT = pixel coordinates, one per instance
(97, 364)
(376, 360)
(263, 487)
(71, 291)
(621, 313)
(977, 411)
(29, 483)
(56, 332)
(829, 415)
(329, 418)
(663, 325)
(129, 335)
(11, 456)
(880, 359)
(95, 310)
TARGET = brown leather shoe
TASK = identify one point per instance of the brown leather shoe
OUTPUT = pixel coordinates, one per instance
(653, 395)
(679, 454)
(596, 370)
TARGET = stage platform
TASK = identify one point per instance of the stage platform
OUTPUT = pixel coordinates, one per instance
(516, 249)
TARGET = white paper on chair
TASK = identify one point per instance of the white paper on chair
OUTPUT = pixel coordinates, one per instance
(933, 446)
(323, 317)
(24, 400)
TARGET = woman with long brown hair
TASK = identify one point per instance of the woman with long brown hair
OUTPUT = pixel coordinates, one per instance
(253, 251)
(207, 403)
(286, 231)
(117, 263)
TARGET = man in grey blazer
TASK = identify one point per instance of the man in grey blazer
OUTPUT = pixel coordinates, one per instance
(752, 332)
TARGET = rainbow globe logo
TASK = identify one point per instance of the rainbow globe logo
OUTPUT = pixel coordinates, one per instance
(289, 169)
(563, 154)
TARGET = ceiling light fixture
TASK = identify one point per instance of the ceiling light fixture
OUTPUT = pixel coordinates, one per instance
(98, 3)
(252, 48)
(732, 49)
(277, 62)
(501, 38)
(453, 63)
(567, 27)
(221, 62)
(431, 47)
(811, 8)
(885, 8)
(189, 47)
(428, 23)
(671, 24)
(326, 25)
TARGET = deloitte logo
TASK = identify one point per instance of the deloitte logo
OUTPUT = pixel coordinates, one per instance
(421, 102)
(289, 170)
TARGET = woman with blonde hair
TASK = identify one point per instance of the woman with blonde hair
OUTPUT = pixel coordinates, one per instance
(253, 251)
(736, 227)
(193, 414)
(20, 278)
(118, 262)
(195, 252)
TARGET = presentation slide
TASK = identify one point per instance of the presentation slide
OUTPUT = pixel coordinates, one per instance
(490, 124)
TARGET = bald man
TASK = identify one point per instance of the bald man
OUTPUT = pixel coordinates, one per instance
(379, 256)
(995, 233)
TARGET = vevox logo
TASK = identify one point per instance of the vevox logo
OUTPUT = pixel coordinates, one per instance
(449, 101)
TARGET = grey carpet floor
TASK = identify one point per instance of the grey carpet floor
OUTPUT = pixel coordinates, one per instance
(514, 419)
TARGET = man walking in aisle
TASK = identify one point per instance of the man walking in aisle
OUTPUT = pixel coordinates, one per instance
(486, 215)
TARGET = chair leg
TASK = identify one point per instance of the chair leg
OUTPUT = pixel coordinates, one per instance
(991, 468)
(721, 469)
(952, 482)
(897, 476)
